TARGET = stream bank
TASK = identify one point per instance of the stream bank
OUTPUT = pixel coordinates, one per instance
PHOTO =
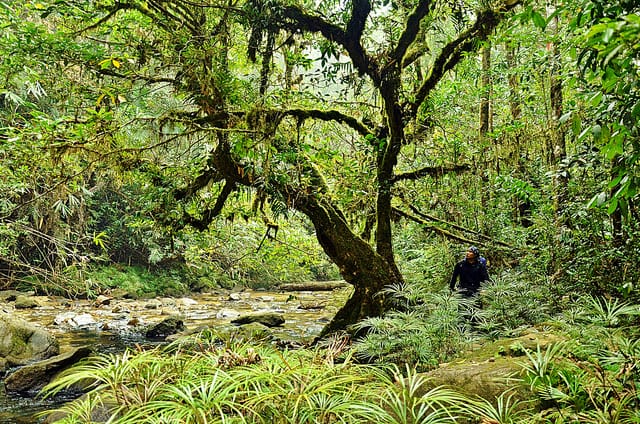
(115, 324)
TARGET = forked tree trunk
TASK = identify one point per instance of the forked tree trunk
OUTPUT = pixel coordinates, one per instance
(359, 264)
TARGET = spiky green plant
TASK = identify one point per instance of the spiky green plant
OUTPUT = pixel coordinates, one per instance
(424, 335)
(407, 399)
(540, 366)
(236, 382)
(609, 312)
(512, 301)
(505, 410)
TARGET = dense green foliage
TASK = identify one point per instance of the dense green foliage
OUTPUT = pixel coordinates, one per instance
(88, 181)
(163, 147)
(591, 378)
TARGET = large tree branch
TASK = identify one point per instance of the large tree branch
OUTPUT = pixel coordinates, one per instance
(430, 170)
(209, 214)
(137, 77)
(457, 227)
(457, 237)
(360, 10)
(453, 52)
(297, 20)
(329, 115)
(411, 30)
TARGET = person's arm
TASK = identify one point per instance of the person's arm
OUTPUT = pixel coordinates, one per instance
(485, 274)
(454, 277)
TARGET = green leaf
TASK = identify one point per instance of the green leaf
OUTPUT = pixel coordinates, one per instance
(613, 53)
(613, 205)
(607, 34)
(596, 99)
(538, 20)
(597, 200)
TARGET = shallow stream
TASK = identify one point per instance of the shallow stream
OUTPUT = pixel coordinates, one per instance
(122, 323)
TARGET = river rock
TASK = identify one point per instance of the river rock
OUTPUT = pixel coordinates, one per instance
(166, 327)
(119, 293)
(153, 304)
(74, 320)
(227, 313)
(22, 342)
(491, 369)
(186, 302)
(29, 379)
(11, 295)
(253, 331)
(270, 319)
(102, 300)
(25, 302)
(266, 298)
(235, 296)
(486, 379)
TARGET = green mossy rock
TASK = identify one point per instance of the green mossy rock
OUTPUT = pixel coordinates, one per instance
(491, 369)
(22, 342)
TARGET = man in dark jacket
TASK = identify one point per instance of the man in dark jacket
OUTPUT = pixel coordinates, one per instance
(472, 271)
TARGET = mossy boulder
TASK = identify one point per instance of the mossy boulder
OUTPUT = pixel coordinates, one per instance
(22, 342)
(25, 302)
(167, 327)
(491, 369)
(270, 319)
(29, 379)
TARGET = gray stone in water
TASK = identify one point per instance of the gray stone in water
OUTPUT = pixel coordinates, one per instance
(186, 302)
(166, 327)
(227, 313)
(235, 296)
(153, 304)
(22, 342)
(26, 302)
(269, 319)
(253, 331)
(74, 320)
(29, 379)
(11, 295)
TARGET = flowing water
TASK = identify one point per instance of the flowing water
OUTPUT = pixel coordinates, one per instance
(122, 323)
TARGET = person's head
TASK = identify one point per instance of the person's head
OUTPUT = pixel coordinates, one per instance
(472, 254)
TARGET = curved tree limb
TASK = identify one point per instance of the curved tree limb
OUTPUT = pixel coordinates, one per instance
(453, 52)
(298, 21)
(411, 29)
(448, 234)
(457, 227)
(430, 170)
(330, 115)
(209, 214)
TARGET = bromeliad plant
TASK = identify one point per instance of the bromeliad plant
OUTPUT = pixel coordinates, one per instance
(428, 331)
(594, 378)
(211, 380)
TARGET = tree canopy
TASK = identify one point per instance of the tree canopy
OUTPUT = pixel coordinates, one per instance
(348, 113)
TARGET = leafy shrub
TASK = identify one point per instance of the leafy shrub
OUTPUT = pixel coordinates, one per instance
(234, 382)
(513, 300)
(423, 336)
